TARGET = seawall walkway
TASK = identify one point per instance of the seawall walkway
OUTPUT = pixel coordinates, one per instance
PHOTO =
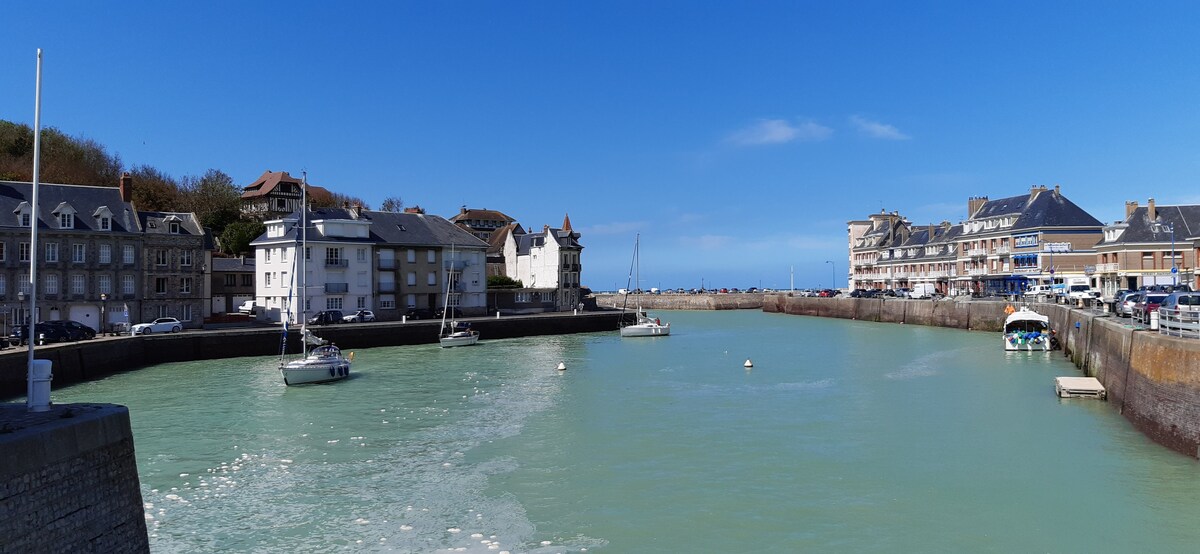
(1153, 380)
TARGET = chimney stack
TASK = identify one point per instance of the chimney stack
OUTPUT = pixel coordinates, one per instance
(1057, 191)
(1130, 207)
(126, 187)
(974, 203)
(1150, 211)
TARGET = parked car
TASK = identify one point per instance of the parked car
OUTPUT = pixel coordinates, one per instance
(418, 313)
(1181, 302)
(75, 329)
(160, 325)
(1147, 304)
(1124, 304)
(454, 312)
(359, 316)
(51, 333)
(1036, 290)
(326, 317)
(246, 307)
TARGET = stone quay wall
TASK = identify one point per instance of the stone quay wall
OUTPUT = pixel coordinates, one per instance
(1153, 380)
(738, 301)
(69, 481)
(88, 360)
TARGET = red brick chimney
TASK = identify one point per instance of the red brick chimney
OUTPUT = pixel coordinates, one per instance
(126, 187)
(1150, 211)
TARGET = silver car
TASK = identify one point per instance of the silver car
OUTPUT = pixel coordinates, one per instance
(1124, 304)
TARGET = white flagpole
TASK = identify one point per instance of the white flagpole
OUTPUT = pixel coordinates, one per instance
(30, 337)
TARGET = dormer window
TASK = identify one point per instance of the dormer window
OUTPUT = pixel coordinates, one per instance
(24, 214)
(174, 227)
(103, 217)
(65, 214)
(174, 224)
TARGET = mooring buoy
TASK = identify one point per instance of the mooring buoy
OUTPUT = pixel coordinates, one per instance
(749, 364)
(562, 366)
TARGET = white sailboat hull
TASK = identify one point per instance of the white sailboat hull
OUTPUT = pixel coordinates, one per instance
(315, 370)
(650, 329)
(460, 338)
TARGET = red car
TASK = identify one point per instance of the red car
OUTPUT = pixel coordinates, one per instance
(1146, 305)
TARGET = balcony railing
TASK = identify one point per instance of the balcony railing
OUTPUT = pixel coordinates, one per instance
(1002, 250)
(337, 288)
(974, 272)
(977, 252)
(1108, 268)
(337, 262)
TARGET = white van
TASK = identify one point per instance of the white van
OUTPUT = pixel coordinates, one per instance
(923, 290)
(1036, 290)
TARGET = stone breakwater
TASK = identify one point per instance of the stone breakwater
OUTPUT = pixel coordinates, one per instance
(1153, 380)
(88, 360)
(739, 301)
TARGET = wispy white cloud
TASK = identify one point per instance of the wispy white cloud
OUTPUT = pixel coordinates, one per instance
(614, 228)
(876, 129)
(779, 131)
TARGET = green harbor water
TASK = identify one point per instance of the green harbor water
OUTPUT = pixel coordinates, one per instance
(844, 437)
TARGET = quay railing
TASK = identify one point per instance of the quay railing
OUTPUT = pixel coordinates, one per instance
(1179, 323)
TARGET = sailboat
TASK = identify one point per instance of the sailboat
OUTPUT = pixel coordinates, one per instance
(644, 326)
(325, 362)
(457, 334)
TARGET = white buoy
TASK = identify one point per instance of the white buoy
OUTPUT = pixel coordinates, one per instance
(749, 364)
(562, 366)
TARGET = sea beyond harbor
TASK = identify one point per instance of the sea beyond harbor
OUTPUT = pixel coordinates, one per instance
(844, 436)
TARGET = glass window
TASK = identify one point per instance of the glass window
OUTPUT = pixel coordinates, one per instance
(267, 278)
(412, 278)
(23, 252)
(431, 256)
(51, 284)
(104, 284)
(230, 280)
(105, 253)
(160, 285)
(77, 284)
(362, 254)
(432, 279)
(185, 285)
(187, 313)
(247, 280)
(105, 224)
(160, 257)
(25, 219)
(412, 256)
(362, 302)
(66, 221)
(333, 303)
(127, 253)
(51, 251)
(185, 257)
(77, 253)
(3, 284)
(127, 284)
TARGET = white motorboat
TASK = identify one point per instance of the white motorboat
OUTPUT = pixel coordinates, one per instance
(457, 334)
(325, 362)
(1027, 330)
(644, 325)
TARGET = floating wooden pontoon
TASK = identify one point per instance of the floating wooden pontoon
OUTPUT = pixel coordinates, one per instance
(1079, 387)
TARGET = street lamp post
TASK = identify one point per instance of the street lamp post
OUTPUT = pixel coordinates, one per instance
(832, 272)
(103, 312)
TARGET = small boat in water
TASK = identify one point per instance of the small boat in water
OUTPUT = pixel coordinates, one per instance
(1027, 330)
(644, 325)
(456, 334)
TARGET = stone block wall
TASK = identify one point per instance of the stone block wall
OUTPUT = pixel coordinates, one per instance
(69, 481)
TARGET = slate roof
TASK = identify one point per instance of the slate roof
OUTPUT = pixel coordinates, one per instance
(157, 223)
(402, 229)
(233, 264)
(84, 198)
(1048, 208)
(1185, 220)
(467, 214)
(564, 238)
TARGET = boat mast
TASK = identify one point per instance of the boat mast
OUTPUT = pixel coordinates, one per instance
(446, 301)
(301, 310)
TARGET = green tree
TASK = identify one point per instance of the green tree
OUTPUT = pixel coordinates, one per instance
(65, 159)
(214, 198)
(154, 190)
(503, 282)
(392, 204)
(235, 239)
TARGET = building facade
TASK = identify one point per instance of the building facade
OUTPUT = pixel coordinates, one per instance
(88, 256)
(232, 283)
(1153, 245)
(276, 194)
(548, 264)
(481, 222)
(1004, 246)
(176, 255)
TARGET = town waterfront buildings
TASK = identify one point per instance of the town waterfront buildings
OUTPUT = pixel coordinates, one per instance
(1009, 244)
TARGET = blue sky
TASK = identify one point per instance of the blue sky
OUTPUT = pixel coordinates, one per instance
(737, 137)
